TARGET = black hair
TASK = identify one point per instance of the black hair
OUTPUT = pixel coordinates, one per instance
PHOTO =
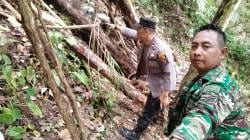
(215, 28)
(147, 22)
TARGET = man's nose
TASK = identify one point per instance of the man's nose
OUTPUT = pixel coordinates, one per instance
(197, 51)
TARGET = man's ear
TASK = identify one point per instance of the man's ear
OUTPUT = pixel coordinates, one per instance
(145, 30)
(224, 52)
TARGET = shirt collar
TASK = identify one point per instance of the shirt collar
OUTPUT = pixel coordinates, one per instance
(213, 73)
(198, 81)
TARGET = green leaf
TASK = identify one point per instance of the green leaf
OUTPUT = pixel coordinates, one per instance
(16, 113)
(21, 77)
(57, 79)
(7, 73)
(82, 77)
(30, 74)
(7, 118)
(34, 108)
(13, 84)
(61, 56)
(15, 132)
(27, 98)
(30, 91)
(56, 37)
(6, 59)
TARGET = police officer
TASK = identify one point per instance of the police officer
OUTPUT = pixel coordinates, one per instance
(155, 60)
(209, 107)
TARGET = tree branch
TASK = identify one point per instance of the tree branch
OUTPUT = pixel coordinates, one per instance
(72, 26)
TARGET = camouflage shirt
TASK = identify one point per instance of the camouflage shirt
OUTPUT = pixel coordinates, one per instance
(209, 107)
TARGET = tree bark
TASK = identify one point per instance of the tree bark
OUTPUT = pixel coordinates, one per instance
(225, 12)
(39, 42)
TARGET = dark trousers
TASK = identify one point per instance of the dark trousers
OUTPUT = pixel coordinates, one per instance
(151, 110)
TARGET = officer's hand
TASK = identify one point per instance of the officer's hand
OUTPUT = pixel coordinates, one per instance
(164, 99)
(110, 26)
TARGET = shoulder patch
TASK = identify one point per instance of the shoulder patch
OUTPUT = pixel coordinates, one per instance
(163, 56)
(211, 88)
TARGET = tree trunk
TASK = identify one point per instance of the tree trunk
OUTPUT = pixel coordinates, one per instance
(127, 10)
(81, 49)
(39, 43)
(225, 12)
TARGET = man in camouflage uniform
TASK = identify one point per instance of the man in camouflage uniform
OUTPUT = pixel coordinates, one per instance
(155, 60)
(209, 106)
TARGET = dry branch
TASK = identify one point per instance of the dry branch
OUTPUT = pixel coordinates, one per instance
(72, 26)
(52, 12)
(13, 10)
(5, 15)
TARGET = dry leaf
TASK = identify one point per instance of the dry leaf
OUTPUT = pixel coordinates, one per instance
(64, 134)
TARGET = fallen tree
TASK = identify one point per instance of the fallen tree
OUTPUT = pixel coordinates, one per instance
(84, 52)
(119, 53)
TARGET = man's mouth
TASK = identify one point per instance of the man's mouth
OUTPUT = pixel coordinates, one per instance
(196, 61)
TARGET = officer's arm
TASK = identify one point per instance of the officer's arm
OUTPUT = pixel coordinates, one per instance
(164, 66)
(212, 108)
(128, 32)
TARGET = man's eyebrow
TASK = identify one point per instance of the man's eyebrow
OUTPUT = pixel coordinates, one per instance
(206, 42)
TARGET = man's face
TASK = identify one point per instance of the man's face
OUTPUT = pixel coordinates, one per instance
(142, 34)
(206, 52)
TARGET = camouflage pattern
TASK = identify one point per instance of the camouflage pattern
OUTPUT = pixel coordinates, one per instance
(209, 107)
(157, 62)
